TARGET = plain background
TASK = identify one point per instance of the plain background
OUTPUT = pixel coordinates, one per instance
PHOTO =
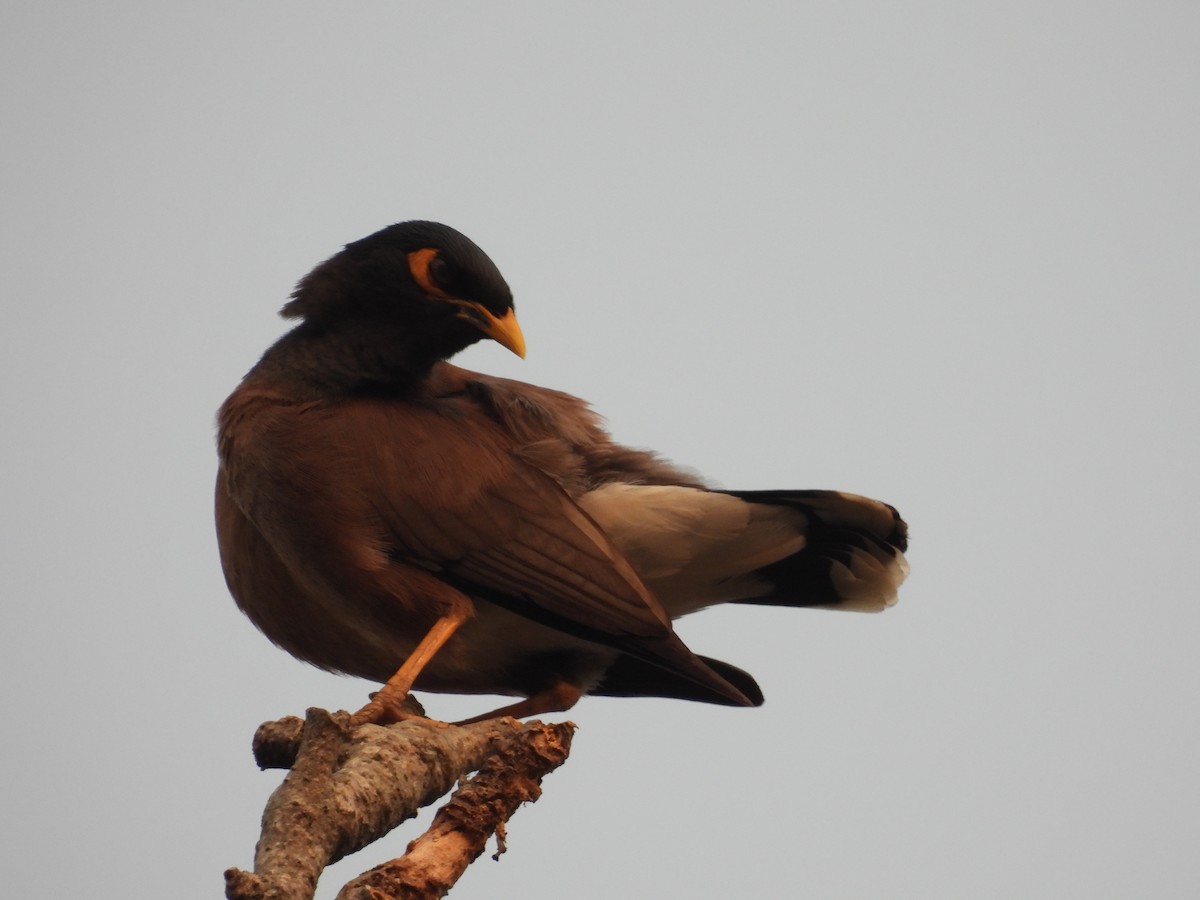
(939, 253)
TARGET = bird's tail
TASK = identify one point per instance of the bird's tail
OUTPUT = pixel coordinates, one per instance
(852, 556)
(694, 547)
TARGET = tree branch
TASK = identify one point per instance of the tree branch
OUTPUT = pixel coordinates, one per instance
(349, 787)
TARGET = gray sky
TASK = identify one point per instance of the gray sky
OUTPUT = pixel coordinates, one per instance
(943, 254)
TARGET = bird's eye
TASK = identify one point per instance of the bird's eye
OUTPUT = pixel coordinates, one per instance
(439, 271)
(431, 273)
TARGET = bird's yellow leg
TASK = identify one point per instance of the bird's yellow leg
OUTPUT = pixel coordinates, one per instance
(559, 697)
(386, 703)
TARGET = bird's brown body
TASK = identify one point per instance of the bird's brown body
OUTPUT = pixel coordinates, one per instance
(369, 491)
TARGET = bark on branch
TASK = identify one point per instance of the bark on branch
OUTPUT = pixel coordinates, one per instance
(349, 787)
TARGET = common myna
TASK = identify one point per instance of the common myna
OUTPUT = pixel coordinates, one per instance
(383, 513)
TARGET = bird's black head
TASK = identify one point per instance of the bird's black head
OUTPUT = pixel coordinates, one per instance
(415, 291)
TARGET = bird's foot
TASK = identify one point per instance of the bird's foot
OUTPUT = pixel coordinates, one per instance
(386, 709)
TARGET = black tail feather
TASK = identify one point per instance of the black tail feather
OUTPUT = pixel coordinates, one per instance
(853, 555)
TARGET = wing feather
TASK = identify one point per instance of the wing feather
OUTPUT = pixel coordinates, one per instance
(479, 513)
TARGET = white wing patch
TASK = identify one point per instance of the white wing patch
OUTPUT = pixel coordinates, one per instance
(694, 548)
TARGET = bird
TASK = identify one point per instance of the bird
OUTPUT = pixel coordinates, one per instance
(383, 513)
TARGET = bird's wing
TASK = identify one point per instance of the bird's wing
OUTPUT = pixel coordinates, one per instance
(511, 533)
(561, 435)
(369, 493)
(351, 487)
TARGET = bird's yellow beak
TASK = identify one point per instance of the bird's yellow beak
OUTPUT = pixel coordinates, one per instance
(504, 331)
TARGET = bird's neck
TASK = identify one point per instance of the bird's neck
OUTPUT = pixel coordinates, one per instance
(319, 363)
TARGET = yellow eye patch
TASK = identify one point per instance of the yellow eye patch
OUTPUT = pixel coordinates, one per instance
(419, 262)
